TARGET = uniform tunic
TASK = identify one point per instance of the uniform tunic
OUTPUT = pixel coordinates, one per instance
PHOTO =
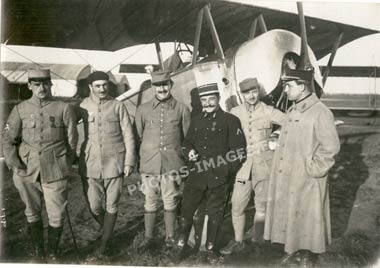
(108, 138)
(48, 134)
(161, 127)
(213, 136)
(220, 144)
(42, 134)
(298, 212)
(257, 122)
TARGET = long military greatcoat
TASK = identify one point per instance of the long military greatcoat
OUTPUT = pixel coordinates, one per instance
(298, 213)
(48, 134)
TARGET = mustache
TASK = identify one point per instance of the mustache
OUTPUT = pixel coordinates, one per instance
(163, 91)
(209, 106)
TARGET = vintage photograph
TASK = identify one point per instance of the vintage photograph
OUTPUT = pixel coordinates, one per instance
(180, 133)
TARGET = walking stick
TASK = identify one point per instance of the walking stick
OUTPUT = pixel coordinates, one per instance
(72, 232)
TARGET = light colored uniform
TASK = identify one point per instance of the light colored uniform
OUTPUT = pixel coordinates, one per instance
(257, 123)
(298, 212)
(48, 133)
(161, 127)
(107, 148)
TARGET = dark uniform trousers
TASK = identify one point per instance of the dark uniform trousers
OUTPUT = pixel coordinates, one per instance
(48, 134)
(220, 144)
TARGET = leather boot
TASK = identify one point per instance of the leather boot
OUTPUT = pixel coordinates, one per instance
(99, 218)
(212, 231)
(54, 235)
(109, 224)
(258, 231)
(149, 221)
(36, 231)
(182, 247)
(170, 217)
(199, 220)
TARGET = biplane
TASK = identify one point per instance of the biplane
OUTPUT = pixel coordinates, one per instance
(230, 40)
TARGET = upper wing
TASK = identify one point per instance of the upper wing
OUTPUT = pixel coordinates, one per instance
(112, 25)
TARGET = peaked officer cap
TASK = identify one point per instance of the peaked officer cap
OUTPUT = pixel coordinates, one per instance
(208, 89)
(39, 74)
(160, 77)
(294, 74)
(248, 84)
(97, 75)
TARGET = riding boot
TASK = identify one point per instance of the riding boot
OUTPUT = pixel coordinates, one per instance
(36, 230)
(169, 218)
(199, 220)
(109, 224)
(149, 221)
(54, 235)
(181, 251)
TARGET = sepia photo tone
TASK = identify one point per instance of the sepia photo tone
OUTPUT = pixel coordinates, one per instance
(190, 133)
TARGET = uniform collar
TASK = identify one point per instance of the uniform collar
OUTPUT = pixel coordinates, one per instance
(306, 103)
(40, 102)
(171, 102)
(97, 100)
(252, 107)
(215, 114)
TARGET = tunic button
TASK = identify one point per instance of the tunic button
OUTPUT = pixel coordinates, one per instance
(162, 120)
(164, 148)
(205, 147)
(280, 171)
(39, 153)
(41, 137)
(205, 138)
(41, 130)
(281, 158)
(286, 132)
(216, 178)
(100, 145)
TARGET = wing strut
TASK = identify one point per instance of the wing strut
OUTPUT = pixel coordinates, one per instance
(214, 33)
(263, 27)
(197, 36)
(332, 56)
(159, 55)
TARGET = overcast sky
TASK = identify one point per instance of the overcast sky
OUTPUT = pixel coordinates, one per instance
(359, 13)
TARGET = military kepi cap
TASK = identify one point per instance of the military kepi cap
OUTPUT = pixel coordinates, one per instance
(39, 74)
(248, 84)
(160, 77)
(97, 75)
(208, 89)
(294, 74)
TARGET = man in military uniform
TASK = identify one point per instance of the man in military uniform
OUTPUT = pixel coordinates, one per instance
(298, 212)
(257, 120)
(161, 126)
(214, 147)
(107, 153)
(39, 145)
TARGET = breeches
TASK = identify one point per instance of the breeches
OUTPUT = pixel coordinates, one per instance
(242, 194)
(54, 194)
(156, 186)
(107, 189)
